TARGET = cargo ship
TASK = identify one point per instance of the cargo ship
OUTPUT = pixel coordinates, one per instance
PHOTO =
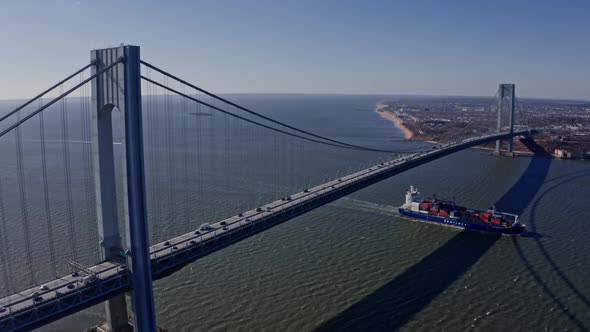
(447, 213)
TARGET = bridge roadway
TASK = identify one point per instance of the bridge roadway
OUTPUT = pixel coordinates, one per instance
(35, 307)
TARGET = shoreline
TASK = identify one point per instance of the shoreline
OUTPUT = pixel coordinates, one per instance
(380, 109)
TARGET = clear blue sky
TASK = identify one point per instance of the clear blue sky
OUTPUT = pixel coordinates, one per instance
(393, 47)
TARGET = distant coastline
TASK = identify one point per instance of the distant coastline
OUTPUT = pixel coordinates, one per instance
(381, 109)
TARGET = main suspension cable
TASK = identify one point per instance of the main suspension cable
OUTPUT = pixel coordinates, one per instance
(258, 114)
(258, 123)
(32, 114)
(46, 91)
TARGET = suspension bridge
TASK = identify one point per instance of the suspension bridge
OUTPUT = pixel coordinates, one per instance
(169, 176)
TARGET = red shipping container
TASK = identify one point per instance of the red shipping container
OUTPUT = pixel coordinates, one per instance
(485, 217)
(496, 221)
(443, 213)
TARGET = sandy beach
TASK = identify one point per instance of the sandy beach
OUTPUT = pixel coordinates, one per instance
(381, 110)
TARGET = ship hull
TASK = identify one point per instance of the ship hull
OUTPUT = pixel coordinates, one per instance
(515, 230)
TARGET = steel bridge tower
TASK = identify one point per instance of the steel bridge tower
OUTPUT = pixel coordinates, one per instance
(506, 91)
(118, 91)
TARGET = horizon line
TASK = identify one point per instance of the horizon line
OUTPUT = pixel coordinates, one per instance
(357, 94)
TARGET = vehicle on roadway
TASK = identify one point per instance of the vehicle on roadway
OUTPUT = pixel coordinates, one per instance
(36, 297)
(87, 280)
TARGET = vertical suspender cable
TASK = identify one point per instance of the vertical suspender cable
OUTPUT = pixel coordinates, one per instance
(192, 162)
(301, 155)
(150, 176)
(200, 160)
(243, 165)
(159, 154)
(4, 254)
(288, 146)
(275, 157)
(23, 199)
(260, 153)
(228, 165)
(92, 193)
(67, 176)
(249, 136)
(171, 201)
(213, 156)
(255, 167)
(87, 171)
(183, 131)
(285, 165)
(48, 216)
(153, 156)
(235, 160)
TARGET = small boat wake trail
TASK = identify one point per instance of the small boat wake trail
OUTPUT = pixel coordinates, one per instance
(366, 206)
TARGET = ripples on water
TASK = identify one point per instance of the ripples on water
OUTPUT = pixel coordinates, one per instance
(355, 264)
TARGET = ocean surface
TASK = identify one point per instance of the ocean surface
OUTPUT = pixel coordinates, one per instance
(352, 265)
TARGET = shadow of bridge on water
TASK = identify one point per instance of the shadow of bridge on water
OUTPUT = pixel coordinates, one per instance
(398, 301)
(532, 227)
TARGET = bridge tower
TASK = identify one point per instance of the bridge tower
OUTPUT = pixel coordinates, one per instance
(506, 91)
(119, 90)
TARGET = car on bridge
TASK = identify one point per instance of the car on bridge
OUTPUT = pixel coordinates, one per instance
(87, 280)
(36, 297)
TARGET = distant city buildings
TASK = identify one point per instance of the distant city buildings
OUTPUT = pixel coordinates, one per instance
(565, 154)
(565, 124)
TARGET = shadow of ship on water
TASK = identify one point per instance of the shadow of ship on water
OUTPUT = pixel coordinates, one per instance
(398, 301)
